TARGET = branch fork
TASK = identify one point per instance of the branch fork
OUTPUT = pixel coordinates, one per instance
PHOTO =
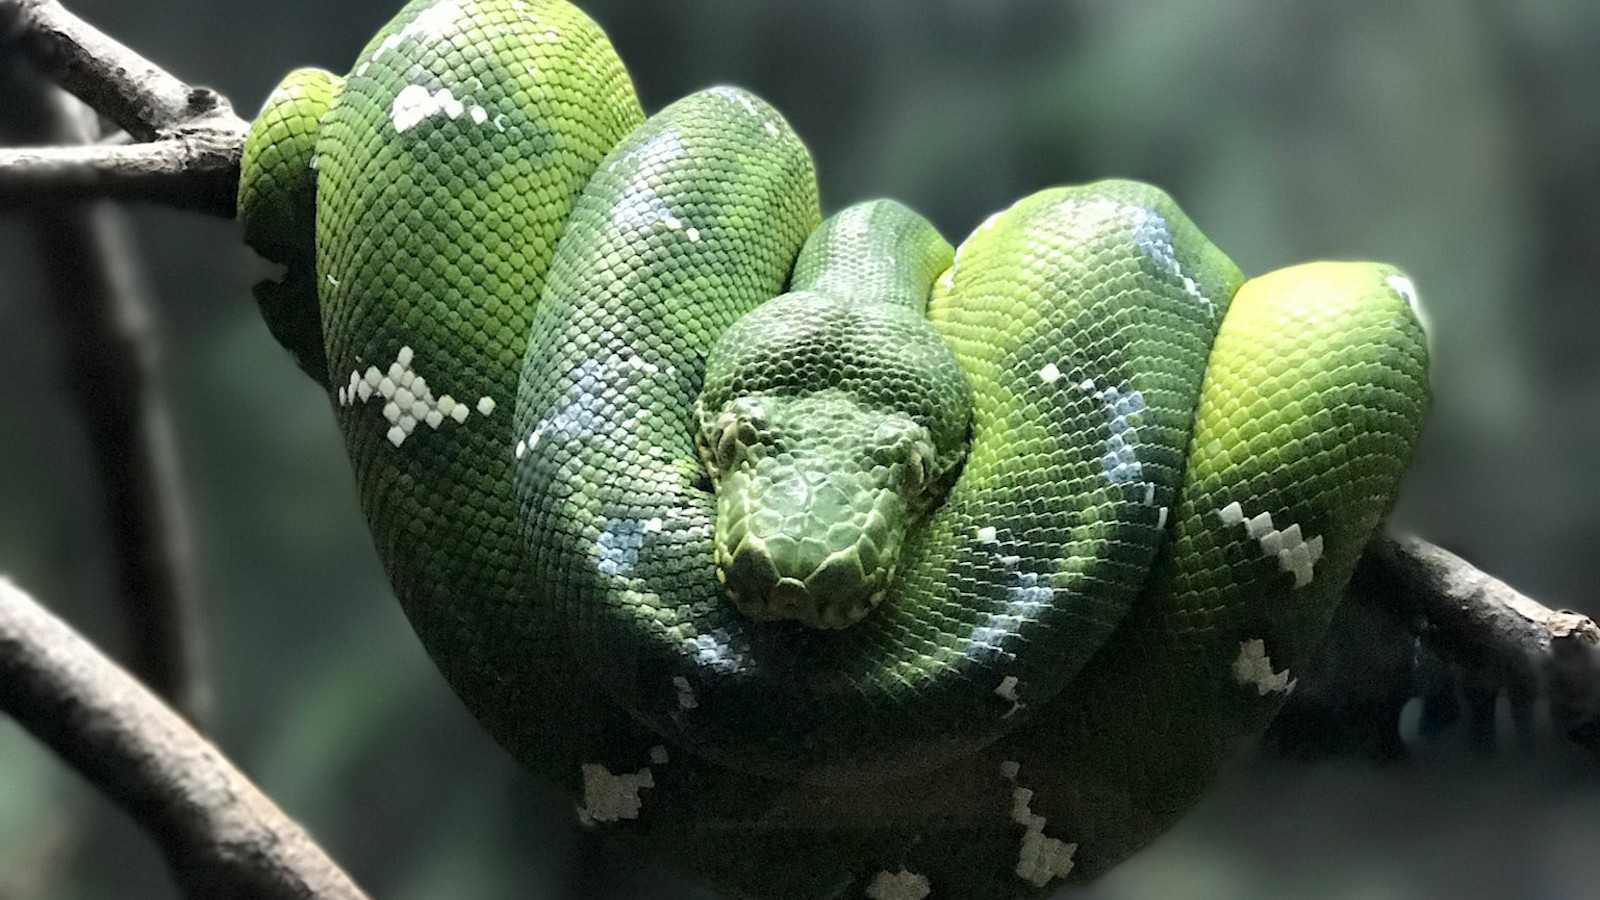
(187, 141)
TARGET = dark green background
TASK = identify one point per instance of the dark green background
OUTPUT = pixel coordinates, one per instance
(1457, 140)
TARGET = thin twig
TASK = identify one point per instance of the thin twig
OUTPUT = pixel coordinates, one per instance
(111, 351)
(193, 139)
(1489, 628)
(199, 173)
(220, 834)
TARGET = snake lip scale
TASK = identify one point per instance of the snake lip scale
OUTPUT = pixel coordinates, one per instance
(805, 513)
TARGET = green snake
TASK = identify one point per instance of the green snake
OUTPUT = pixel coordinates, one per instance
(775, 538)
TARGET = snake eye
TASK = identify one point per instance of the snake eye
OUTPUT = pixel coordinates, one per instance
(755, 416)
(916, 470)
(889, 444)
(890, 432)
(729, 437)
(909, 448)
(728, 442)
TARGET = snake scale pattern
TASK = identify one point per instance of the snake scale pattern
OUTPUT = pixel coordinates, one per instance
(817, 555)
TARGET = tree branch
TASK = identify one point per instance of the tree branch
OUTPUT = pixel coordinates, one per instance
(198, 172)
(138, 95)
(194, 141)
(1490, 629)
(220, 834)
(110, 348)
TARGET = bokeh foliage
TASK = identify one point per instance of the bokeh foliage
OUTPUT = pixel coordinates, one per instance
(1457, 140)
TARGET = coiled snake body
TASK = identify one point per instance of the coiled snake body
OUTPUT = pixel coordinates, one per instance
(825, 557)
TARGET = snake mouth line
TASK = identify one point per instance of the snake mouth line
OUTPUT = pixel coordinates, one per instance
(789, 600)
(835, 596)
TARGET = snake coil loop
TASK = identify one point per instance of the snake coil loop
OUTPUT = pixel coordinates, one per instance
(807, 521)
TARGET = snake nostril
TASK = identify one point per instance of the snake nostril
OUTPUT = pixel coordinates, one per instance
(789, 598)
(839, 580)
(751, 570)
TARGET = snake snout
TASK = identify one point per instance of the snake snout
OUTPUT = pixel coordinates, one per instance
(807, 544)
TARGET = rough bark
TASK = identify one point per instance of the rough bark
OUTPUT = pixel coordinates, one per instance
(1491, 630)
(189, 139)
(220, 834)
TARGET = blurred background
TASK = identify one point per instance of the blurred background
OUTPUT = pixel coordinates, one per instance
(1456, 140)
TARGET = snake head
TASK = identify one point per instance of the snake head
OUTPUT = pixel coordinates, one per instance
(829, 428)
(815, 496)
